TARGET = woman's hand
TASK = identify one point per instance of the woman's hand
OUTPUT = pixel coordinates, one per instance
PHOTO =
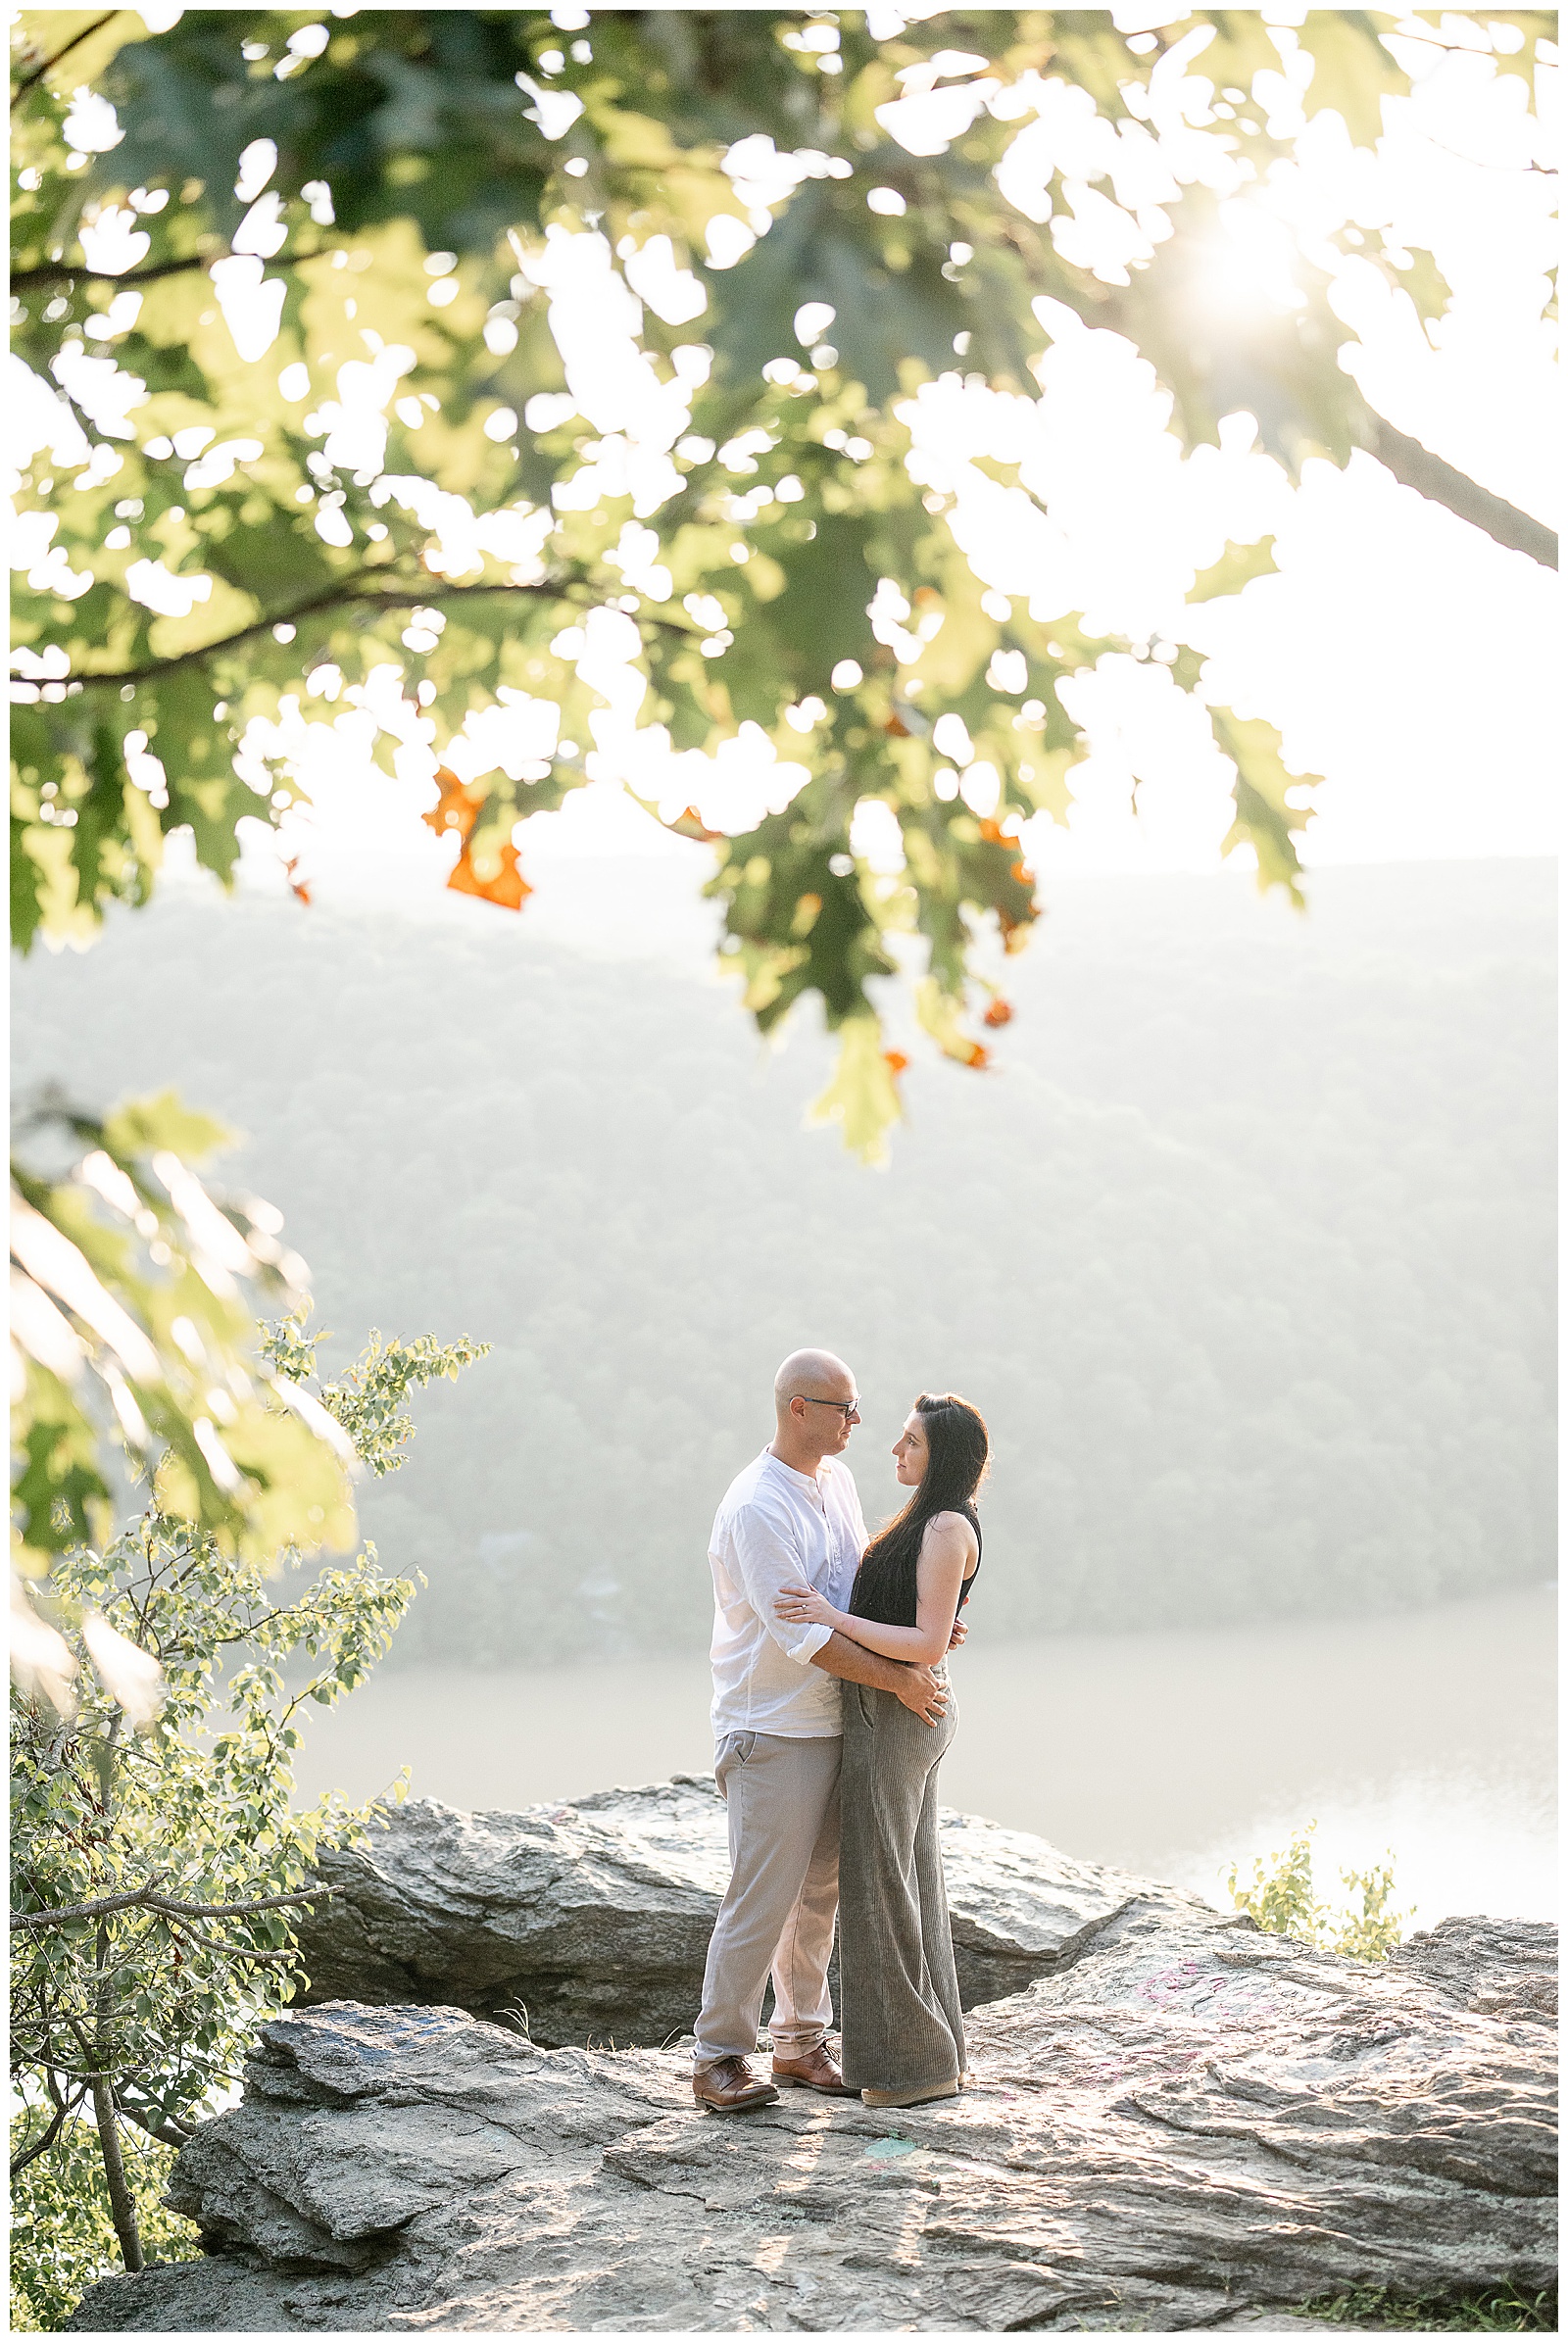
(803, 1606)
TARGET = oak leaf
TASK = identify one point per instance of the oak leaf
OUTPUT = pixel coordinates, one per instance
(508, 888)
(458, 810)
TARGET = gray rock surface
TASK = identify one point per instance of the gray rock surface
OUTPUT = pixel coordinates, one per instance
(1191, 2126)
(589, 1922)
(1496, 1967)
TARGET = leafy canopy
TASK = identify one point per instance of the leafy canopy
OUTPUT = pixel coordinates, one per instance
(296, 298)
(132, 1291)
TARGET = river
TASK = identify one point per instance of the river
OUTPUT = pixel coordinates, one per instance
(1170, 1753)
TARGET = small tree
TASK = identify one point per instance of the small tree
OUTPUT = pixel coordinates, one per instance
(1281, 1897)
(157, 1864)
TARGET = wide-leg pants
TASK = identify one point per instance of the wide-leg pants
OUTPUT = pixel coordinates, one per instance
(897, 1988)
(777, 1912)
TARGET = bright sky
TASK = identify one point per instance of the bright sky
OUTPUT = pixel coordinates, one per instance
(1403, 654)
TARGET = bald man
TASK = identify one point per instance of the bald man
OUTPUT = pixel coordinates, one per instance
(793, 1515)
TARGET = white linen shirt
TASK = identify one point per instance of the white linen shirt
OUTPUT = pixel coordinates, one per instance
(777, 1527)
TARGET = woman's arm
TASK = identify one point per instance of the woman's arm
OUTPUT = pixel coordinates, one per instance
(939, 1580)
(920, 1689)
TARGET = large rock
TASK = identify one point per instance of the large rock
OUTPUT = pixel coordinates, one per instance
(1496, 1967)
(1189, 2126)
(589, 1922)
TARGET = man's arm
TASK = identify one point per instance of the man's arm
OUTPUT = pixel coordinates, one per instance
(917, 1686)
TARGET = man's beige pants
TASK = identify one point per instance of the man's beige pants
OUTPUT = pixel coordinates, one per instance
(782, 1898)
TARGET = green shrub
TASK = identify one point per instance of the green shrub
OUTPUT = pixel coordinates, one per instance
(1280, 1897)
(62, 2231)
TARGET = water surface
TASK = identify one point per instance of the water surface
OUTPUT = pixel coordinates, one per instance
(1170, 1753)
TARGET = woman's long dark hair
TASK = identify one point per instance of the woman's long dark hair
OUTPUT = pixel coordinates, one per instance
(960, 1448)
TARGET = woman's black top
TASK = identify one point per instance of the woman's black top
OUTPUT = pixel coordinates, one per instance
(973, 1519)
(898, 1605)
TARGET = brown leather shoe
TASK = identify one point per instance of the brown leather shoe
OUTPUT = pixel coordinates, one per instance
(730, 2085)
(814, 2072)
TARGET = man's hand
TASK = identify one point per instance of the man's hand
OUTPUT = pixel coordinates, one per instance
(960, 1633)
(918, 1687)
(923, 1692)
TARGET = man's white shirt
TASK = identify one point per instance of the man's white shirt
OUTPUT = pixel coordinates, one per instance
(775, 1528)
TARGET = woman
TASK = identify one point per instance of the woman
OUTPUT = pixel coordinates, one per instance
(898, 1991)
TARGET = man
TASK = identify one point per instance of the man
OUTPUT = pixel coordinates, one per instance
(793, 1515)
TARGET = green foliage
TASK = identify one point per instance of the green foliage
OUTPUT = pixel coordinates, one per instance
(128, 1307)
(1503, 2308)
(1371, 1929)
(1281, 1897)
(156, 1858)
(370, 1402)
(62, 2228)
(739, 569)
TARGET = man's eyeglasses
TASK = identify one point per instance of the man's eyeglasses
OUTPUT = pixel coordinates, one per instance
(848, 1408)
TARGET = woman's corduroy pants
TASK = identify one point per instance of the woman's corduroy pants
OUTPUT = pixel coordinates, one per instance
(898, 2011)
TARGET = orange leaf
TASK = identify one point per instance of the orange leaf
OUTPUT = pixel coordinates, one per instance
(458, 809)
(896, 1061)
(508, 888)
(690, 824)
(999, 1012)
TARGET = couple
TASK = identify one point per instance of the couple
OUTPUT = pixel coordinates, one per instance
(831, 1714)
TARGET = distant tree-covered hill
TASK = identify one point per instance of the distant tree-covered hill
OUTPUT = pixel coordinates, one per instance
(1244, 1250)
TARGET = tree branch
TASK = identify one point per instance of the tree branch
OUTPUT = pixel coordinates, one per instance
(170, 2132)
(148, 1898)
(1417, 467)
(93, 1910)
(1539, 170)
(305, 1895)
(30, 80)
(334, 597)
(337, 597)
(66, 271)
(20, 2163)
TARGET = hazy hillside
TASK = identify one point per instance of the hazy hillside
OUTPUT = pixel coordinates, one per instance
(1246, 1252)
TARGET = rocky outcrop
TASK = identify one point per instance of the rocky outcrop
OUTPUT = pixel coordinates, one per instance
(589, 1922)
(1189, 2126)
(1496, 1967)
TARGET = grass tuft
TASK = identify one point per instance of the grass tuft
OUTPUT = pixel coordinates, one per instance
(1495, 2309)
